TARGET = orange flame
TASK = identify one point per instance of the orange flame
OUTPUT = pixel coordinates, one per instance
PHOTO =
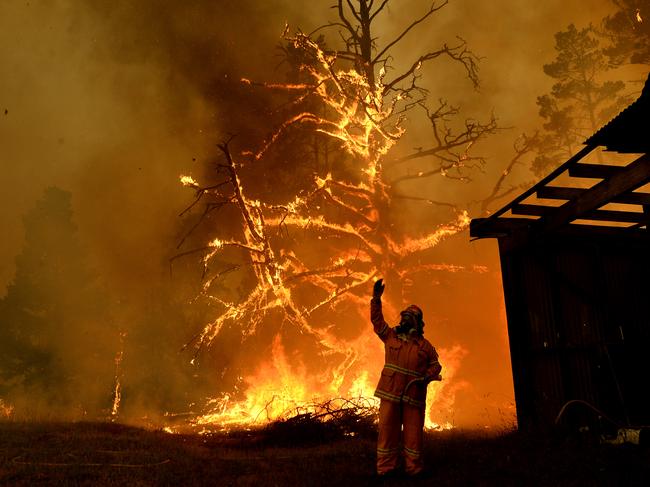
(280, 388)
(442, 395)
(6, 410)
(188, 181)
(117, 391)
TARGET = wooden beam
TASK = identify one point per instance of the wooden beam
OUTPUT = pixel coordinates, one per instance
(629, 178)
(615, 216)
(499, 227)
(569, 163)
(531, 210)
(632, 198)
(594, 171)
(561, 193)
(599, 215)
(646, 213)
(558, 193)
(584, 229)
(505, 228)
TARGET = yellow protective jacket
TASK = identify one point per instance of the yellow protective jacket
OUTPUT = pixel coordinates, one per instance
(407, 358)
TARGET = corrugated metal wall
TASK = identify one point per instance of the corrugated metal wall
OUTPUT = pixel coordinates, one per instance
(579, 326)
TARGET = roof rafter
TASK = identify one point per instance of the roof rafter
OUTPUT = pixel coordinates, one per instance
(627, 179)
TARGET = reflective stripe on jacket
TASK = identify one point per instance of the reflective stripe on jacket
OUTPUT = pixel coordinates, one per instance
(407, 358)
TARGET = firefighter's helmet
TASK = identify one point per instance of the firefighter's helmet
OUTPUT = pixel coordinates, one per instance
(416, 313)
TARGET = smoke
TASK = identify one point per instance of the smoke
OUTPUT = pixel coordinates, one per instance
(112, 100)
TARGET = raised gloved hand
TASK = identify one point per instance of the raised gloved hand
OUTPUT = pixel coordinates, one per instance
(378, 289)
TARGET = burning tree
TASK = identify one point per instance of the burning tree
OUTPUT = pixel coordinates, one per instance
(314, 254)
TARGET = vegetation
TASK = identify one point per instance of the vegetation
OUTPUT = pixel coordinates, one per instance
(628, 29)
(111, 454)
(581, 99)
(51, 306)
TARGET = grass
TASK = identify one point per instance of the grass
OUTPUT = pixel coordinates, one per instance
(297, 454)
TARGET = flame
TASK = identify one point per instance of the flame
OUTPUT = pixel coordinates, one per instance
(117, 391)
(442, 395)
(281, 388)
(188, 181)
(359, 116)
(6, 410)
(272, 391)
(639, 19)
(410, 245)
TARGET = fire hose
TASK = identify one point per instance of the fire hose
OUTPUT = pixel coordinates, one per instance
(419, 379)
(401, 397)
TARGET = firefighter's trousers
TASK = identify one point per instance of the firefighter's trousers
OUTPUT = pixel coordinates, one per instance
(390, 450)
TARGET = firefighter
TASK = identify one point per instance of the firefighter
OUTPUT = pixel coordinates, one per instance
(411, 363)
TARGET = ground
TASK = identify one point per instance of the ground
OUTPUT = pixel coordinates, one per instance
(113, 454)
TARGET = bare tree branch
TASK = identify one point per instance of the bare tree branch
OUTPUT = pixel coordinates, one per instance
(208, 208)
(348, 25)
(458, 53)
(416, 22)
(379, 9)
(426, 200)
(234, 180)
(523, 146)
(354, 12)
(448, 141)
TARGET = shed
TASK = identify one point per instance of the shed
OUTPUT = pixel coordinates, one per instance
(575, 262)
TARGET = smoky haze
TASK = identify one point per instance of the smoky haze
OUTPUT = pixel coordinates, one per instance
(111, 101)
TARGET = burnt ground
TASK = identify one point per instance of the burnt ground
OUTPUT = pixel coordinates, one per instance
(113, 454)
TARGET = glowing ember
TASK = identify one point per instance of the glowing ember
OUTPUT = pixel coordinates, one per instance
(189, 181)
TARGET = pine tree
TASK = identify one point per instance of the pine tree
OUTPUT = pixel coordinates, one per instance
(629, 31)
(580, 101)
(53, 320)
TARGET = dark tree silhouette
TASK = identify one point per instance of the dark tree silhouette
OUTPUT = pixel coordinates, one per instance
(580, 101)
(628, 28)
(53, 338)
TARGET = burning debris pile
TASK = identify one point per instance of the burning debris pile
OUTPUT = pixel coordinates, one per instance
(306, 261)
